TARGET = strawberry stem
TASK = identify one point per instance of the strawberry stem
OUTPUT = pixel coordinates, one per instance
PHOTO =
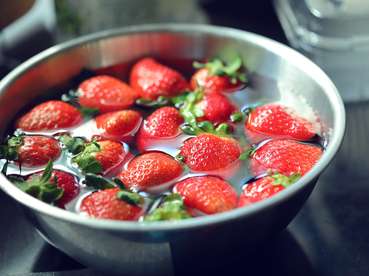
(129, 197)
(172, 208)
(285, 181)
(74, 145)
(86, 160)
(41, 187)
(232, 69)
(9, 151)
(159, 102)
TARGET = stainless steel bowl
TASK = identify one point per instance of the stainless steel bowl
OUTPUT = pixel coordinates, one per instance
(137, 248)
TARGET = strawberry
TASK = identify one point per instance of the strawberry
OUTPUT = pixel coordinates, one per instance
(31, 151)
(149, 170)
(162, 123)
(265, 187)
(50, 186)
(106, 94)
(50, 115)
(215, 108)
(107, 204)
(277, 121)
(151, 79)
(217, 77)
(103, 157)
(207, 194)
(118, 125)
(208, 152)
(284, 156)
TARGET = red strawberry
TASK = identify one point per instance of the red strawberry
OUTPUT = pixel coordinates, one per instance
(216, 108)
(265, 187)
(118, 125)
(216, 77)
(50, 186)
(162, 123)
(106, 94)
(208, 152)
(277, 121)
(151, 79)
(50, 115)
(104, 157)
(149, 170)
(65, 181)
(31, 151)
(207, 194)
(285, 156)
(105, 204)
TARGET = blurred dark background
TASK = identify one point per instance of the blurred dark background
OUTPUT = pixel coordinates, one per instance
(330, 236)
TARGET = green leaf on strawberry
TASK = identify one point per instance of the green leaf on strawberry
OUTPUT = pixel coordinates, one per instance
(231, 69)
(9, 151)
(285, 181)
(237, 117)
(41, 187)
(86, 160)
(172, 208)
(130, 197)
(74, 145)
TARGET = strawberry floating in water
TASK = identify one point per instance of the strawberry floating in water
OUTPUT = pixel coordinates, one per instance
(30, 151)
(207, 194)
(50, 115)
(50, 186)
(265, 187)
(151, 79)
(112, 204)
(284, 156)
(150, 170)
(163, 123)
(100, 157)
(277, 121)
(106, 94)
(208, 152)
(217, 77)
(119, 125)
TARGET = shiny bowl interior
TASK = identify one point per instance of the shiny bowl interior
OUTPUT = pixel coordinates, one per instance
(280, 68)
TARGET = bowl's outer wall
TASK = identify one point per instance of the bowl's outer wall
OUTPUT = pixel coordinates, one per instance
(144, 252)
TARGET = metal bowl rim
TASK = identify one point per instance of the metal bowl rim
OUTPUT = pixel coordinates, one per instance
(284, 51)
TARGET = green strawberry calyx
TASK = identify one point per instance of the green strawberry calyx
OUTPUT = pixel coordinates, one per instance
(86, 160)
(74, 145)
(285, 181)
(101, 183)
(232, 69)
(42, 187)
(9, 151)
(191, 111)
(159, 102)
(172, 208)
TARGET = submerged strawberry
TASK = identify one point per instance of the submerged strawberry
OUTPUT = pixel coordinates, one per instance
(108, 204)
(215, 108)
(265, 187)
(118, 125)
(151, 79)
(162, 123)
(102, 157)
(31, 151)
(50, 186)
(208, 152)
(105, 94)
(150, 170)
(285, 156)
(50, 115)
(277, 121)
(207, 194)
(217, 77)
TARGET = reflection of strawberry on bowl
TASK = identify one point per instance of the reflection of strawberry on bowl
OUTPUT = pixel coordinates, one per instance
(164, 155)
